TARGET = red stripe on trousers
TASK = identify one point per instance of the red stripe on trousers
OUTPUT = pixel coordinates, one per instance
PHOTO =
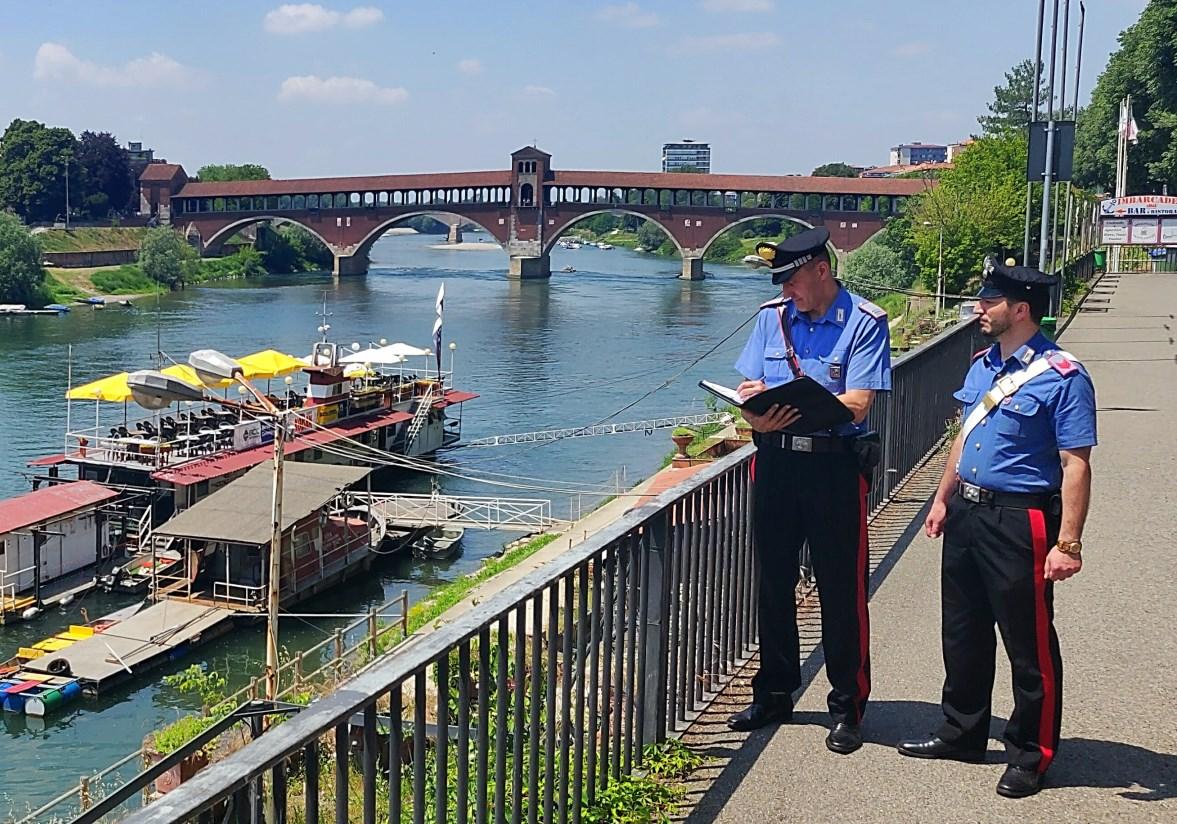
(863, 617)
(1042, 626)
(752, 470)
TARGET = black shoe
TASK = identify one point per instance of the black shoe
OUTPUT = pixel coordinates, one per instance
(759, 715)
(936, 747)
(1018, 782)
(844, 738)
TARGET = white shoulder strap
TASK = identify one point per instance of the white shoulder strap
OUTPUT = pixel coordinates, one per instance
(1005, 386)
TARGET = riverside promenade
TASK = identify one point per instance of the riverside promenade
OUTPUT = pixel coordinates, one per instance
(1117, 623)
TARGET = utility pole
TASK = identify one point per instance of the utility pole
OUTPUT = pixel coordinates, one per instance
(940, 275)
(275, 573)
(1075, 115)
(1048, 177)
(1062, 106)
(67, 193)
(1033, 119)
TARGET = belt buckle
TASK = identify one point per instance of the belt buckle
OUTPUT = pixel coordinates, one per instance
(802, 444)
(970, 493)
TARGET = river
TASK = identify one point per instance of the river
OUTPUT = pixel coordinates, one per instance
(566, 352)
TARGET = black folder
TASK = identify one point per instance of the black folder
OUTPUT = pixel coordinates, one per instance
(820, 409)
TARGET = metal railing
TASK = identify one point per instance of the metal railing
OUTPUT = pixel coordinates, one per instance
(420, 416)
(413, 510)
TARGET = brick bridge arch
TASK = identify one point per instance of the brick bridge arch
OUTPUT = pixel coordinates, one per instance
(552, 237)
(364, 246)
(217, 241)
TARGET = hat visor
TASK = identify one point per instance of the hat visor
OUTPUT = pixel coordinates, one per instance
(783, 277)
(990, 292)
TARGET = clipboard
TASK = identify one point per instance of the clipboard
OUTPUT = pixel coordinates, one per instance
(820, 409)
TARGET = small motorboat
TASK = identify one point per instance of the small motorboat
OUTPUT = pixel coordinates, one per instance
(568, 269)
(135, 574)
(440, 542)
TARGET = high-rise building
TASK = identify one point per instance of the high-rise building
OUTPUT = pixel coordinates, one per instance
(686, 156)
(913, 154)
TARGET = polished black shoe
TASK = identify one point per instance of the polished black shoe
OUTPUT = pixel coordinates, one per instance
(936, 747)
(759, 715)
(1018, 782)
(844, 738)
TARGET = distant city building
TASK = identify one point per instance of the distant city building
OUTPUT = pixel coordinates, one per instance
(137, 154)
(686, 156)
(913, 154)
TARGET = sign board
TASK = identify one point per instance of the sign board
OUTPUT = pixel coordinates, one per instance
(1147, 231)
(1064, 151)
(1113, 231)
(1138, 206)
(247, 435)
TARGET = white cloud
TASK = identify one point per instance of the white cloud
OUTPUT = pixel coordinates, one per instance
(300, 18)
(737, 5)
(56, 62)
(629, 15)
(338, 91)
(729, 42)
(470, 66)
(538, 91)
(916, 48)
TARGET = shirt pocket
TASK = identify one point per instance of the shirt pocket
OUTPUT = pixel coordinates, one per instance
(833, 369)
(776, 365)
(1015, 416)
(967, 396)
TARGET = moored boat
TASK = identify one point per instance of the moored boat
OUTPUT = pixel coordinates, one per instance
(135, 574)
(439, 542)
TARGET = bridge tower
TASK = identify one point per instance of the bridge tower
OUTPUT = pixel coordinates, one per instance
(530, 168)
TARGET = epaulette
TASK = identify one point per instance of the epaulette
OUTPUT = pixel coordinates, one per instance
(775, 303)
(876, 312)
(979, 353)
(1063, 362)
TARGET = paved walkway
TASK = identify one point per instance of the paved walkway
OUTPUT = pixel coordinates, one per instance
(1117, 622)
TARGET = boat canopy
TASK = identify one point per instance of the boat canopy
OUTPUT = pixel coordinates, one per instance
(393, 353)
(268, 363)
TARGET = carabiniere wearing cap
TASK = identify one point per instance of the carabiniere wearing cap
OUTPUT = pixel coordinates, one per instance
(813, 488)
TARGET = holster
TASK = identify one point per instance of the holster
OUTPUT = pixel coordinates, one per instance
(868, 451)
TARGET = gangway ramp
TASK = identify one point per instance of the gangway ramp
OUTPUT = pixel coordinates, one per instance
(647, 426)
(163, 632)
(407, 512)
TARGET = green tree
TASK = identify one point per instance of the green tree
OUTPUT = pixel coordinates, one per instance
(21, 275)
(1012, 108)
(835, 170)
(1142, 67)
(876, 263)
(979, 206)
(652, 237)
(166, 258)
(33, 162)
(232, 171)
(106, 173)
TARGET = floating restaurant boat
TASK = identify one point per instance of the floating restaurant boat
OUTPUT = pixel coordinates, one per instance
(338, 400)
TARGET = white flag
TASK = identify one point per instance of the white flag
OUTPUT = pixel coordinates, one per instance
(437, 326)
(1128, 124)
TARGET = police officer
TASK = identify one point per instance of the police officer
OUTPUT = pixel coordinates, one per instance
(1011, 506)
(812, 488)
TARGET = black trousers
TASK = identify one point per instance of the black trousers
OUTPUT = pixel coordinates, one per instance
(819, 498)
(992, 574)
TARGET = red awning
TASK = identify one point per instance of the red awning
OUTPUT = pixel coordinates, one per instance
(50, 503)
(47, 460)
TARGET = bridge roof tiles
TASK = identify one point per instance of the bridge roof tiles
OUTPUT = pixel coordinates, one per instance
(743, 183)
(321, 185)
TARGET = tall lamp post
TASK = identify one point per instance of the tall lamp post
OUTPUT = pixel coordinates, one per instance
(154, 390)
(939, 269)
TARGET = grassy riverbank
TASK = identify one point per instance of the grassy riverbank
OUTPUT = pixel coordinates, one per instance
(91, 239)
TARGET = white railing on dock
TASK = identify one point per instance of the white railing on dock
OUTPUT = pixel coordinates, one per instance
(238, 593)
(416, 511)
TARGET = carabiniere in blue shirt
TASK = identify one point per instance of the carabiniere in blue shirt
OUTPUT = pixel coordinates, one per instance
(1015, 448)
(848, 347)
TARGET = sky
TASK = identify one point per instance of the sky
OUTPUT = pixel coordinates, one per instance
(309, 90)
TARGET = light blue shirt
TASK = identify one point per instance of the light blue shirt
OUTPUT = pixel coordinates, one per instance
(849, 347)
(1015, 448)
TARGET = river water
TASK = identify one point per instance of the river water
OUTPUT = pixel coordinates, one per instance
(541, 355)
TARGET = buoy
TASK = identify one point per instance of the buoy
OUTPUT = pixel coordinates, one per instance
(30, 613)
(58, 666)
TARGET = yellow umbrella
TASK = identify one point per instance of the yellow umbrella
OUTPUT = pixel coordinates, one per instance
(112, 388)
(270, 363)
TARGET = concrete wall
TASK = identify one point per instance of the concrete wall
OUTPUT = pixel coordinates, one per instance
(73, 260)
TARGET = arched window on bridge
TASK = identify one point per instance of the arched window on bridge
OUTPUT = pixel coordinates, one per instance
(526, 195)
(633, 196)
(797, 202)
(698, 198)
(312, 202)
(369, 200)
(715, 200)
(682, 197)
(849, 203)
(900, 204)
(866, 203)
(218, 204)
(813, 203)
(554, 194)
(298, 202)
(284, 202)
(883, 204)
(779, 200)
(354, 200)
(231, 204)
(206, 205)
(340, 201)
(665, 198)
(830, 203)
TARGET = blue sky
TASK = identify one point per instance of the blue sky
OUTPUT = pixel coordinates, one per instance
(776, 86)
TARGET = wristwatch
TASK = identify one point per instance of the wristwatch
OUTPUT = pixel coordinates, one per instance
(1072, 548)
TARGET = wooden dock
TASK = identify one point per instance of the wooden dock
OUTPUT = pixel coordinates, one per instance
(163, 632)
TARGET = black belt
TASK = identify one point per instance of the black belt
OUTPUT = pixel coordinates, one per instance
(1019, 500)
(833, 444)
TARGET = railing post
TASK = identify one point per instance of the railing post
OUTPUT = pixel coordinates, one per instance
(84, 792)
(405, 612)
(372, 632)
(656, 623)
(298, 671)
(338, 654)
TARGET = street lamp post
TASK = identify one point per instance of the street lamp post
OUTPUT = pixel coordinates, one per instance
(939, 269)
(154, 390)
